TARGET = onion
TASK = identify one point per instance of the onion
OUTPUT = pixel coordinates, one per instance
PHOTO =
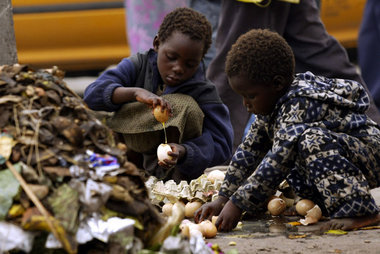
(189, 228)
(160, 116)
(167, 209)
(208, 229)
(215, 175)
(303, 206)
(276, 206)
(185, 230)
(162, 152)
(193, 226)
(191, 207)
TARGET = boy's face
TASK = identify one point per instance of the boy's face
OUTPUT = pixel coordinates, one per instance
(259, 99)
(178, 58)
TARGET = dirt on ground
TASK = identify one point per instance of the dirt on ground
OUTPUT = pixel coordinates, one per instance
(274, 235)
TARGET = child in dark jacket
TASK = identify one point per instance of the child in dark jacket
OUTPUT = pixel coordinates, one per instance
(168, 75)
(309, 130)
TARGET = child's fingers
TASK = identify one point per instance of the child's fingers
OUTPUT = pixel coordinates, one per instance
(224, 224)
(165, 105)
(206, 213)
(168, 164)
(174, 154)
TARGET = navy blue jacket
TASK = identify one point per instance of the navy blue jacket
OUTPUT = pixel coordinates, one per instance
(212, 148)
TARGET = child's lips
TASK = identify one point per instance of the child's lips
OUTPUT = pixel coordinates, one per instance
(172, 79)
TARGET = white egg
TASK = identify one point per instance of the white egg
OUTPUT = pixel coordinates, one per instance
(215, 175)
(162, 152)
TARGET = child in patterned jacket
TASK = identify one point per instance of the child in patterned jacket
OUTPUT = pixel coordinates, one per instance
(309, 130)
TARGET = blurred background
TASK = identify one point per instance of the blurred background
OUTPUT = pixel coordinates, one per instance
(84, 37)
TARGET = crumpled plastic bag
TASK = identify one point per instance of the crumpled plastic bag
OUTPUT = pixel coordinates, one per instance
(13, 237)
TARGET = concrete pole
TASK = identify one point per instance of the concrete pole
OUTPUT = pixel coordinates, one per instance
(8, 51)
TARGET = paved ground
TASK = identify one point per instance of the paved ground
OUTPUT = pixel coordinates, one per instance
(258, 237)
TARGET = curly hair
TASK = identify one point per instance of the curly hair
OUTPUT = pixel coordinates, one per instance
(261, 55)
(189, 22)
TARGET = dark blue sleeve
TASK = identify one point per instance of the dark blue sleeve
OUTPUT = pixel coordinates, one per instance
(99, 93)
(214, 146)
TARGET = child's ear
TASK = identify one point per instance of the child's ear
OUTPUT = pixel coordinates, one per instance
(279, 82)
(156, 43)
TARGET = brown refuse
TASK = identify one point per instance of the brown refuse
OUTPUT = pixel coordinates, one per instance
(50, 125)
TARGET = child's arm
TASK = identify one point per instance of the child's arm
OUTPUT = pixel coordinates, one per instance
(123, 95)
(98, 95)
(243, 164)
(253, 194)
(116, 86)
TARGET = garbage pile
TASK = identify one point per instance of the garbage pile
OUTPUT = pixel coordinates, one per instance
(63, 174)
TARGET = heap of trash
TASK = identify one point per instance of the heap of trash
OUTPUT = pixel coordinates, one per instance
(64, 179)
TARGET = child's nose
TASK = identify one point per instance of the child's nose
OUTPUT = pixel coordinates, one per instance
(178, 69)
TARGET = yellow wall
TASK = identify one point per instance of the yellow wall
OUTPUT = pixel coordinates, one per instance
(342, 19)
(72, 40)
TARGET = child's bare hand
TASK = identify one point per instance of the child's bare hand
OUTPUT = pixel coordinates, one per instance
(151, 99)
(206, 211)
(177, 153)
(228, 217)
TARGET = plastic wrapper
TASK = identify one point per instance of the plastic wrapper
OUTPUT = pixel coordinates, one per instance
(13, 237)
(95, 227)
(92, 194)
(198, 245)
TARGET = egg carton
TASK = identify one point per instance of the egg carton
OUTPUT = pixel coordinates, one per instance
(198, 189)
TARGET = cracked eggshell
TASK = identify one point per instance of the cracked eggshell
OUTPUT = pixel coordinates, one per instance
(303, 206)
(312, 216)
(276, 206)
(162, 152)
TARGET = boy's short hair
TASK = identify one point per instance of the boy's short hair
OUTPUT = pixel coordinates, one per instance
(261, 55)
(189, 22)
